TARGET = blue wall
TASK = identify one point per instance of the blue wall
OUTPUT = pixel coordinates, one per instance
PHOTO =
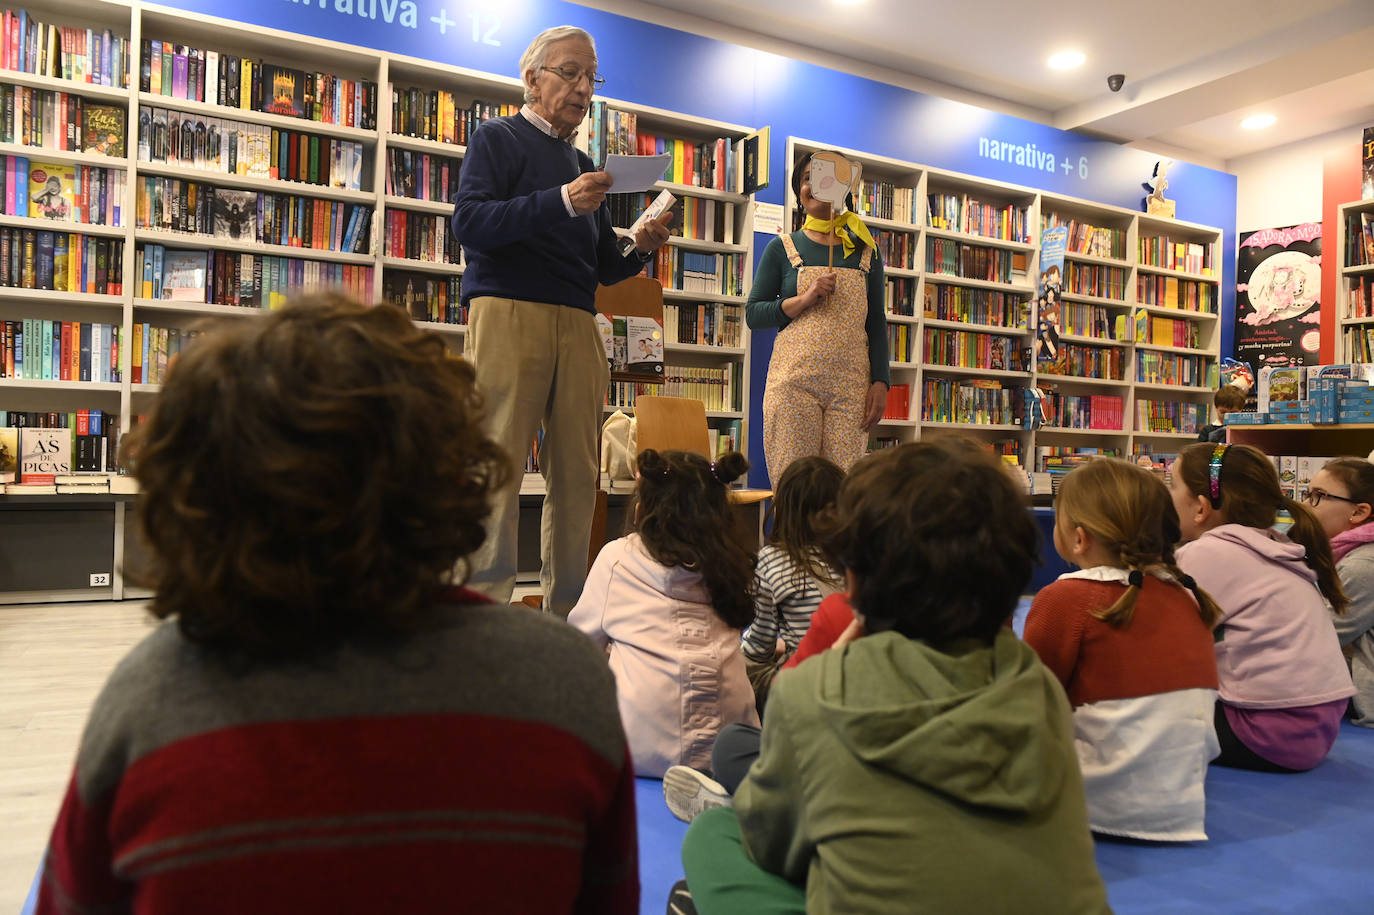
(664, 68)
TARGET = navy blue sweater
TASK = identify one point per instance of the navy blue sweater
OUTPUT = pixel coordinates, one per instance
(517, 237)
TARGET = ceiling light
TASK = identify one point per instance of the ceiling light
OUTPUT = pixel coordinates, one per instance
(1258, 121)
(1067, 60)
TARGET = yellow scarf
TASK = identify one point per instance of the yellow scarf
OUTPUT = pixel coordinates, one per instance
(847, 220)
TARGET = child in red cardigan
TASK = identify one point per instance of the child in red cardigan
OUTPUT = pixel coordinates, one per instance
(1133, 649)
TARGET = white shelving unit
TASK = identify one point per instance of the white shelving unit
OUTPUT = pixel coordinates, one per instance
(1355, 286)
(136, 21)
(1139, 382)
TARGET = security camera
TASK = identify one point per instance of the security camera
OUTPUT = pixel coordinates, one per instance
(1116, 81)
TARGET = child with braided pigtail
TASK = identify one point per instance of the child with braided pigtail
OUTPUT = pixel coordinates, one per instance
(1129, 637)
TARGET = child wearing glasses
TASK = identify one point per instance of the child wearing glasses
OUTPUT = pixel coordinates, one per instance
(1129, 635)
(1341, 496)
(1283, 683)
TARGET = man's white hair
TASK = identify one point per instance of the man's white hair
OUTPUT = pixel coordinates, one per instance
(537, 54)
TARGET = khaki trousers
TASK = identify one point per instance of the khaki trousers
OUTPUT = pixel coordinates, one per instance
(540, 364)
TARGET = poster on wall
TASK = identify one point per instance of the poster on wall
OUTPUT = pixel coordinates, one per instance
(1278, 291)
(1049, 355)
(1367, 164)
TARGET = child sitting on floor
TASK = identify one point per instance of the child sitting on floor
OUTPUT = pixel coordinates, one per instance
(895, 767)
(1341, 496)
(791, 576)
(1283, 683)
(670, 600)
(1133, 649)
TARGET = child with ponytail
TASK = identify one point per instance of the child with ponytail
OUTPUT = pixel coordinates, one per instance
(668, 602)
(1284, 684)
(1129, 637)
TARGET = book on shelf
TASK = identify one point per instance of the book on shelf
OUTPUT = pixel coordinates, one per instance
(9, 454)
(753, 161)
(184, 275)
(286, 95)
(1367, 164)
(103, 130)
(43, 453)
(51, 191)
(235, 214)
(633, 345)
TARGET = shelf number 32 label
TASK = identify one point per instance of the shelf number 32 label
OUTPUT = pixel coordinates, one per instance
(100, 579)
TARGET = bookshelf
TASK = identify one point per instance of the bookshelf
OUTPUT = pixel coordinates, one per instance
(1355, 284)
(346, 160)
(1126, 272)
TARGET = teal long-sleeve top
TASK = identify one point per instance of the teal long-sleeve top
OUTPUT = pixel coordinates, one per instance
(776, 280)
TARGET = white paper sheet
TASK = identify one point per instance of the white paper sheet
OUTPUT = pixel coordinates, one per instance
(634, 174)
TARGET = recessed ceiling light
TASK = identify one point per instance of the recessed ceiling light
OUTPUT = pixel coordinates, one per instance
(1067, 60)
(1257, 121)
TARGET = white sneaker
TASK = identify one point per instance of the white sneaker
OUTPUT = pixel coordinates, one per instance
(688, 792)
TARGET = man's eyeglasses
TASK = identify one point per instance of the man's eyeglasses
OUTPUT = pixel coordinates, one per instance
(574, 75)
(1315, 496)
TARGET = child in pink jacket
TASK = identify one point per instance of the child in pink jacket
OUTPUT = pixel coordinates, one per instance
(668, 602)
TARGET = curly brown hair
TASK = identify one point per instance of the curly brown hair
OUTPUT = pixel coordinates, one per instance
(311, 476)
(938, 536)
(683, 519)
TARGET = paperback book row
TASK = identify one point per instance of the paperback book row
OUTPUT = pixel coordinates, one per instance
(93, 56)
(233, 147)
(897, 248)
(1104, 362)
(433, 114)
(1171, 292)
(62, 192)
(975, 401)
(39, 259)
(974, 262)
(901, 339)
(1082, 411)
(704, 324)
(718, 388)
(60, 120)
(37, 350)
(1170, 416)
(1083, 320)
(1168, 368)
(153, 350)
(697, 271)
(900, 295)
(249, 84)
(716, 164)
(1054, 462)
(975, 306)
(1096, 280)
(704, 220)
(420, 237)
(976, 350)
(247, 280)
(195, 208)
(1360, 300)
(1159, 331)
(1189, 257)
(962, 213)
(425, 297)
(1339, 393)
(885, 200)
(421, 176)
(1087, 239)
(1359, 239)
(1359, 343)
(46, 453)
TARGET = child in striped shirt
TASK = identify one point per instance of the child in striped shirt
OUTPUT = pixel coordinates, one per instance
(791, 576)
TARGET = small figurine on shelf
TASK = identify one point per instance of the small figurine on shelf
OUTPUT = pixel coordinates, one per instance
(1155, 203)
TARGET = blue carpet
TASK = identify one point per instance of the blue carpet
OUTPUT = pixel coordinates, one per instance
(1278, 843)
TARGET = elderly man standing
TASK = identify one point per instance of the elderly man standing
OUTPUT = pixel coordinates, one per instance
(531, 215)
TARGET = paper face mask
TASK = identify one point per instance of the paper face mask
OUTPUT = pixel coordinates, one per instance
(833, 177)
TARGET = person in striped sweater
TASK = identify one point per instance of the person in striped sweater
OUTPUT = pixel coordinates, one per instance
(322, 723)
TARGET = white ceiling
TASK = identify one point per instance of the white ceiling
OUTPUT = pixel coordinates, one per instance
(1194, 68)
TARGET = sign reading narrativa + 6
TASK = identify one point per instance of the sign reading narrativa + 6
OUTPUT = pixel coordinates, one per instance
(1031, 156)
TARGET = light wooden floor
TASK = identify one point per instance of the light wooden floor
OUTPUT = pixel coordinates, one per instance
(53, 660)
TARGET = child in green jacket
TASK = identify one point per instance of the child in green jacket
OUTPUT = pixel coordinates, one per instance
(926, 763)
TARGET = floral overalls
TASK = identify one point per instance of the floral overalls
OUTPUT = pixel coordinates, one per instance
(818, 377)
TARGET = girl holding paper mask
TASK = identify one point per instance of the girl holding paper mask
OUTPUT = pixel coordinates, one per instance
(823, 288)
